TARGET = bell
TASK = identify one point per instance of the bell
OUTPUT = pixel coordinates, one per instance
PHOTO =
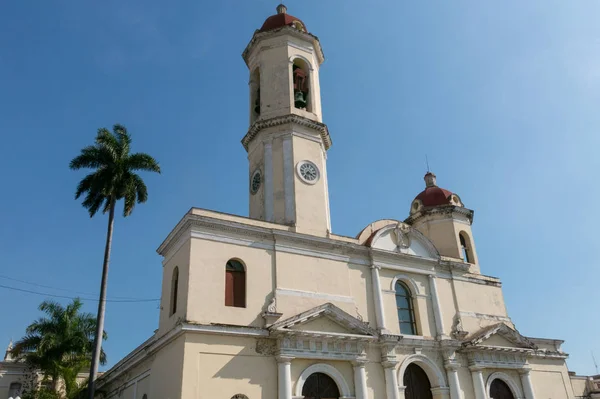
(257, 102)
(257, 106)
(299, 99)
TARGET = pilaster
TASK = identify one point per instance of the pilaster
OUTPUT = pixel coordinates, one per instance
(284, 377)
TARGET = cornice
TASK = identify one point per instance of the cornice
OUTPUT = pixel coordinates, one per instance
(446, 210)
(259, 36)
(284, 120)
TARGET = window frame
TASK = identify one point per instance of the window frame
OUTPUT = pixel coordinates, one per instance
(235, 284)
(411, 308)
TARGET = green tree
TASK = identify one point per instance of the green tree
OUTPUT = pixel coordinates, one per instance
(59, 344)
(114, 179)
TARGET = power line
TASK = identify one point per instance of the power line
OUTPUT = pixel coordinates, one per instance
(70, 297)
(63, 289)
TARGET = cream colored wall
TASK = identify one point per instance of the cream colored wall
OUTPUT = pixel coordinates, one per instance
(206, 298)
(444, 233)
(579, 385)
(483, 299)
(312, 204)
(551, 378)
(131, 385)
(180, 259)
(226, 366)
(167, 371)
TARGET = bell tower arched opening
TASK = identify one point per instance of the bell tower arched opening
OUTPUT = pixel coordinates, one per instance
(254, 95)
(301, 84)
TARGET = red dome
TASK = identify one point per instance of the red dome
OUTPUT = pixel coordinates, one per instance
(280, 20)
(434, 196)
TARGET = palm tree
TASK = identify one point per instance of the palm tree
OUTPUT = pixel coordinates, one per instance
(114, 178)
(60, 344)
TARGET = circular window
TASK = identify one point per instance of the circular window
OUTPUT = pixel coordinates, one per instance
(308, 172)
(255, 181)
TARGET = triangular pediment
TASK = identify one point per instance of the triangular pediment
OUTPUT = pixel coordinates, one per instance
(326, 319)
(501, 336)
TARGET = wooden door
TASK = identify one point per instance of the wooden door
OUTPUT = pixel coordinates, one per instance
(416, 383)
(320, 386)
(499, 390)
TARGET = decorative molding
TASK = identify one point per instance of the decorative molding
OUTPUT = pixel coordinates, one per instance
(314, 295)
(358, 328)
(404, 230)
(450, 211)
(504, 331)
(325, 369)
(262, 124)
(485, 316)
(258, 36)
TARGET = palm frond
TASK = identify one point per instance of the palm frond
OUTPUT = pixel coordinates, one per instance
(124, 139)
(90, 157)
(142, 161)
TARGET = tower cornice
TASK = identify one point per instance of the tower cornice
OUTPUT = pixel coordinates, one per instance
(259, 36)
(284, 120)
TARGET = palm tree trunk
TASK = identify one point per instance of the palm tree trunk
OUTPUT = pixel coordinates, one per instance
(102, 303)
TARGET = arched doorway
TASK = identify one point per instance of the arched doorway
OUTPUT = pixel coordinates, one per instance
(500, 390)
(320, 386)
(416, 382)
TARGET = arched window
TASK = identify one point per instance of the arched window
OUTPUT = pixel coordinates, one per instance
(406, 314)
(235, 284)
(465, 246)
(14, 390)
(174, 289)
(301, 84)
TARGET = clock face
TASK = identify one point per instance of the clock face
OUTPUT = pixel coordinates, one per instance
(308, 171)
(255, 181)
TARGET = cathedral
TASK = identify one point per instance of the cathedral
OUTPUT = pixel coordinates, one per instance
(277, 306)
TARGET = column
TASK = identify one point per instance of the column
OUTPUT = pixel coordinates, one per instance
(526, 381)
(478, 384)
(284, 377)
(437, 309)
(360, 379)
(378, 296)
(391, 381)
(453, 382)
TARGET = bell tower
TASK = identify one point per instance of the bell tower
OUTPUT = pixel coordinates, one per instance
(287, 142)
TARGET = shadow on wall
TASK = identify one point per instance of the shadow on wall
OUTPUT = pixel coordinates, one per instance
(256, 370)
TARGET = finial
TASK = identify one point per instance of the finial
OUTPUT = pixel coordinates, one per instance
(430, 180)
(281, 9)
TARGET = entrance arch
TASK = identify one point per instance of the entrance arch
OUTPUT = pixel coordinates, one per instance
(417, 385)
(501, 386)
(434, 374)
(329, 371)
(320, 386)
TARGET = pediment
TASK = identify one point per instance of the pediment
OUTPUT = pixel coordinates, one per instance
(499, 336)
(324, 320)
(402, 238)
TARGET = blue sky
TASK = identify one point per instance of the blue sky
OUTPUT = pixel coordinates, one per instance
(501, 96)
